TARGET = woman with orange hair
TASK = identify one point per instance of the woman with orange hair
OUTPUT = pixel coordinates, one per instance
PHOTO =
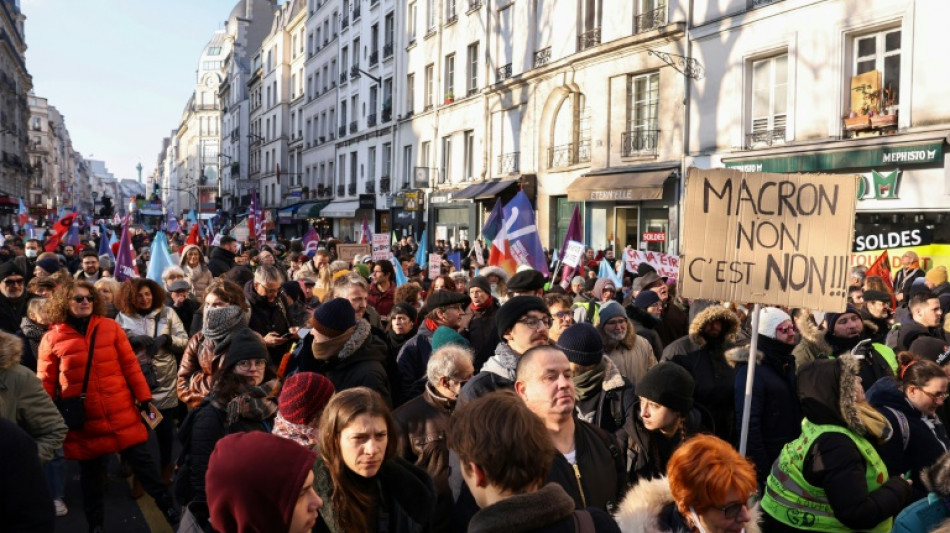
(708, 489)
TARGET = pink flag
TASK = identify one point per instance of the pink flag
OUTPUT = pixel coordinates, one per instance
(124, 261)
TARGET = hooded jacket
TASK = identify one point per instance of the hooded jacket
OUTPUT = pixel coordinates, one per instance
(833, 462)
(24, 402)
(694, 341)
(113, 422)
(547, 510)
(220, 261)
(479, 327)
(199, 277)
(632, 355)
(497, 373)
(814, 345)
(165, 322)
(648, 507)
(359, 362)
(612, 408)
(775, 416)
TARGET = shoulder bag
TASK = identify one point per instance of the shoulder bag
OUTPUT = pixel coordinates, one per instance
(74, 409)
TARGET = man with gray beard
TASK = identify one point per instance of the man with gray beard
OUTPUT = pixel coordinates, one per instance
(630, 352)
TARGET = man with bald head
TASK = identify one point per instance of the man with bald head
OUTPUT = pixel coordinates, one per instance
(904, 279)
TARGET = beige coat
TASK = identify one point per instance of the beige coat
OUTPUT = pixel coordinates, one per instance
(633, 355)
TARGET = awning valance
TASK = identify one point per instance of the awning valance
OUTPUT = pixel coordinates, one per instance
(346, 209)
(621, 186)
(485, 189)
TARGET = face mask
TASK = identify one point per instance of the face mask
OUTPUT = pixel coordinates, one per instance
(31, 253)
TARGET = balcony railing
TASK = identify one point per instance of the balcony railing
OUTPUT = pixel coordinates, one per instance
(342, 131)
(474, 4)
(351, 188)
(503, 73)
(639, 142)
(354, 72)
(760, 3)
(340, 189)
(387, 115)
(569, 154)
(370, 186)
(509, 163)
(387, 50)
(344, 22)
(542, 57)
(651, 20)
(371, 120)
(353, 126)
(373, 58)
(343, 78)
(588, 39)
(384, 184)
(765, 137)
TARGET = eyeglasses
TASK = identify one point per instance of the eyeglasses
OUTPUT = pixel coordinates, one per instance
(563, 315)
(787, 330)
(938, 397)
(247, 364)
(81, 299)
(732, 510)
(15, 281)
(535, 322)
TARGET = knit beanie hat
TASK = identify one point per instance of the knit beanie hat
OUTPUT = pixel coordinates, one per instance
(253, 481)
(937, 275)
(478, 281)
(303, 397)
(577, 279)
(646, 299)
(334, 317)
(49, 264)
(362, 268)
(831, 318)
(8, 269)
(611, 310)
(404, 308)
(599, 286)
(931, 348)
(245, 344)
(219, 322)
(582, 345)
(876, 296)
(445, 335)
(769, 319)
(514, 309)
(669, 385)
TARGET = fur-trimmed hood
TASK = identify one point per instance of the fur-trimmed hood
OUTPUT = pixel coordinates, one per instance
(740, 356)
(11, 348)
(639, 512)
(202, 262)
(815, 334)
(730, 324)
(612, 378)
(826, 390)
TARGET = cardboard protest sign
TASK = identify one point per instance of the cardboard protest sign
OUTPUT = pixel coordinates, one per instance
(346, 252)
(381, 246)
(666, 266)
(775, 239)
(573, 253)
(435, 265)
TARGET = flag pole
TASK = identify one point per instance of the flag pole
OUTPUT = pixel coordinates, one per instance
(749, 380)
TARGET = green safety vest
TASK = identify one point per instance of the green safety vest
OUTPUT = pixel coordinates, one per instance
(888, 354)
(795, 502)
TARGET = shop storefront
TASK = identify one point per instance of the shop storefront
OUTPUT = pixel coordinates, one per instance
(295, 220)
(904, 193)
(482, 197)
(343, 214)
(406, 214)
(451, 221)
(624, 207)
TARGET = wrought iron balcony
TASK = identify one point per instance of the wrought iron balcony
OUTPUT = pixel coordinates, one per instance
(353, 126)
(503, 73)
(340, 189)
(351, 188)
(343, 78)
(373, 58)
(765, 137)
(588, 39)
(355, 71)
(387, 115)
(384, 184)
(569, 154)
(371, 120)
(387, 50)
(542, 57)
(342, 131)
(651, 20)
(509, 163)
(370, 186)
(321, 190)
(639, 142)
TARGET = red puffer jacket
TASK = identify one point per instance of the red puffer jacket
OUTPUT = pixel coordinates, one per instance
(113, 423)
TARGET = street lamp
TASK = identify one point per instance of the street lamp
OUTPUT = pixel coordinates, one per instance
(360, 72)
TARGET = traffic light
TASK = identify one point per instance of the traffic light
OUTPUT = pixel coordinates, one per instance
(106, 211)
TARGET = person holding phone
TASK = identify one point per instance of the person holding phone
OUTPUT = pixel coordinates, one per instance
(270, 310)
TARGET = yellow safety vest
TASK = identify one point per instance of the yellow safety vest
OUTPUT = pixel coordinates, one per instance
(795, 502)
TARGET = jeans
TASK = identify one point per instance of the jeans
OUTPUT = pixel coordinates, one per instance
(92, 479)
(55, 471)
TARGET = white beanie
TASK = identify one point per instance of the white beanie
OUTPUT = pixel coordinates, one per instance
(771, 318)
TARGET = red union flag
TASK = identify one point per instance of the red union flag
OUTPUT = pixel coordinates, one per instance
(58, 231)
(882, 269)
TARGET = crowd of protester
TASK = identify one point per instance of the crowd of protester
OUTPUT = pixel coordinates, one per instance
(311, 393)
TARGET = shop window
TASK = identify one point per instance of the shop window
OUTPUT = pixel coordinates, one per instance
(769, 101)
(873, 98)
(640, 137)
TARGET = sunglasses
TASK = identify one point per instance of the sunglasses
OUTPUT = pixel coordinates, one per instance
(11, 282)
(81, 299)
(786, 330)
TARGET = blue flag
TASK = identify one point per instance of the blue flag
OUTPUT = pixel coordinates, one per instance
(607, 271)
(456, 259)
(173, 226)
(191, 216)
(522, 234)
(493, 224)
(422, 256)
(160, 259)
(104, 243)
(400, 275)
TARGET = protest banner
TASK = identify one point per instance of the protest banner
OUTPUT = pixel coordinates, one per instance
(573, 253)
(381, 246)
(666, 265)
(435, 265)
(346, 252)
(774, 239)
(930, 256)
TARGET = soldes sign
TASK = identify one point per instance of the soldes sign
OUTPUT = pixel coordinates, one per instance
(891, 238)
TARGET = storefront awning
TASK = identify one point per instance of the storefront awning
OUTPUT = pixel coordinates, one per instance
(486, 189)
(311, 211)
(345, 209)
(622, 186)
(291, 210)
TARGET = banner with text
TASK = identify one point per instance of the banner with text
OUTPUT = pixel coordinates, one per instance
(666, 266)
(435, 265)
(573, 253)
(775, 239)
(381, 246)
(346, 252)
(930, 256)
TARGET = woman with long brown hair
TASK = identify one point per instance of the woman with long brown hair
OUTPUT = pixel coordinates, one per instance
(364, 485)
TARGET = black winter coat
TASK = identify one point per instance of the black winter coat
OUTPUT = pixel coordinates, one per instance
(645, 326)
(613, 408)
(480, 329)
(776, 416)
(715, 387)
(220, 261)
(924, 445)
(12, 311)
(267, 317)
(602, 468)
(25, 501)
(412, 360)
(548, 510)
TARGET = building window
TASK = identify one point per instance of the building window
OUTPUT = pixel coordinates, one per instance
(429, 86)
(424, 150)
(410, 91)
(469, 155)
(407, 165)
(449, 76)
(769, 100)
(413, 13)
(446, 170)
(472, 68)
(450, 13)
(371, 163)
(430, 16)
(642, 105)
(387, 160)
(880, 51)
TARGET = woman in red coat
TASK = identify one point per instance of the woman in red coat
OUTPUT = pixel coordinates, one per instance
(115, 395)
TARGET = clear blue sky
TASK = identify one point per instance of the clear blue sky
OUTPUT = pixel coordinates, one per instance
(120, 71)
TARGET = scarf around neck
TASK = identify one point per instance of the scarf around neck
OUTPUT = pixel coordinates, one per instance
(590, 383)
(302, 435)
(220, 322)
(256, 403)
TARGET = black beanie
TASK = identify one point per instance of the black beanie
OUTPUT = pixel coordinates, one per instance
(245, 344)
(669, 385)
(8, 269)
(582, 345)
(333, 318)
(514, 309)
(479, 281)
(403, 308)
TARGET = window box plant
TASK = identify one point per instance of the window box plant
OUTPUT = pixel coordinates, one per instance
(449, 97)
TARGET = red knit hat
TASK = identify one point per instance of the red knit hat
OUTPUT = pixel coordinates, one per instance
(253, 482)
(303, 396)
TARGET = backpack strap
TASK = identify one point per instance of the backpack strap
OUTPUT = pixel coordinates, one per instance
(583, 522)
(902, 422)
